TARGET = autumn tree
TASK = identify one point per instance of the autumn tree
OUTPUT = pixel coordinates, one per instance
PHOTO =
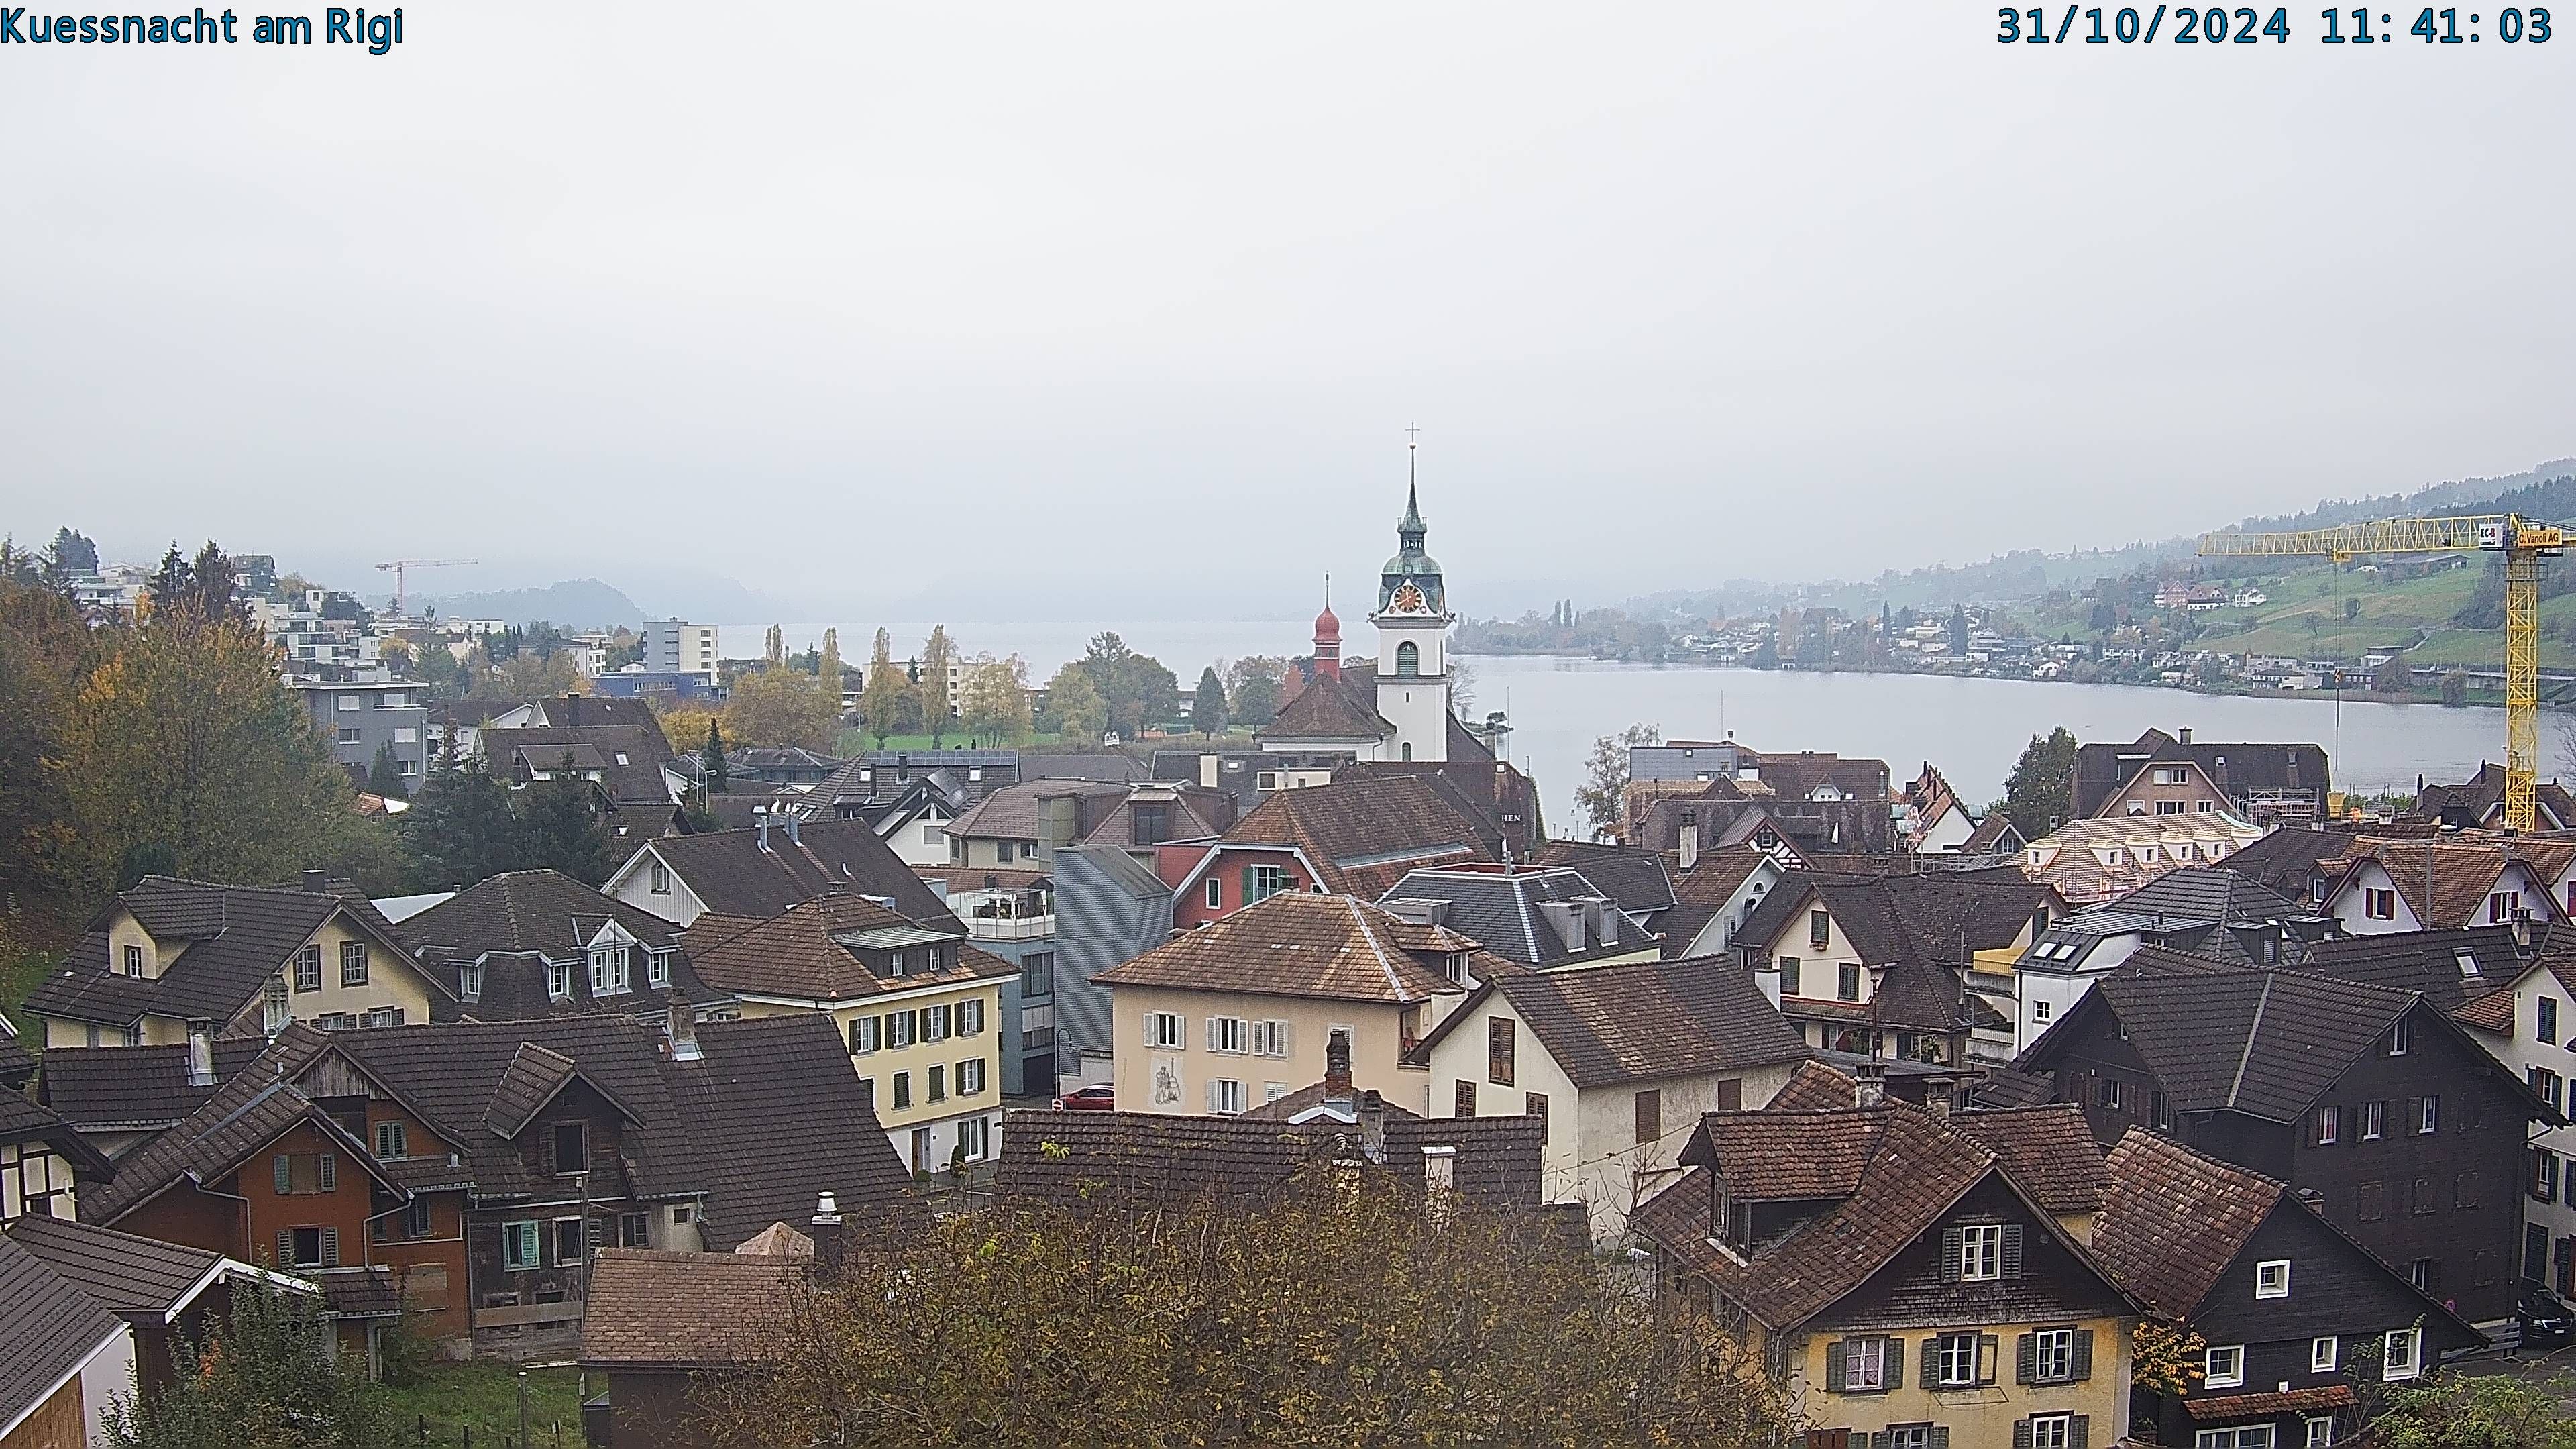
(1207, 704)
(779, 706)
(1075, 707)
(2039, 794)
(185, 738)
(1136, 688)
(1349, 1311)
(1252, 688)
(2476, 1411)
(260, 1376)
(938, 653)
(828, 668)
(882, 696)
(1602, 798)
(995, 697)
(773, 648)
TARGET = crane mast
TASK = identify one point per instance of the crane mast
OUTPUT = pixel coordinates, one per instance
(2523, 543)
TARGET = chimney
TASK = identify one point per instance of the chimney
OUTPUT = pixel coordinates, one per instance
(1372, 1120)
(1567, 918)
(201, 1054)
(1690, 839)
(2185, 736)
(1869, 1085)
(1337, 1069)
(764, 830)
(825, 1230)
(793, 824)
(2521, 930)
(316, 881)
(681, 1021)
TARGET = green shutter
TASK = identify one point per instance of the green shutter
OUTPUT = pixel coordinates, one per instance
(2026, 1358)
(2021, 1434)
(2080, 1431)
(1932, 1361)
(1896, 1363)
(284, 1168)
(2083, 1353)
(2012, 1250)
(330, 1247)
(1883, 1439)
(1834, 1367)
(326, 1170)
(1954, 1243)
(1988, 1345)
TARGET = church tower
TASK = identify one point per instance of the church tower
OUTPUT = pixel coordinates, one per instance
(1412, 622)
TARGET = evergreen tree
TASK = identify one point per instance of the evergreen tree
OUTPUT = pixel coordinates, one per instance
(717, 783)
(1252, 688)
(74, 553)
(829, 668)
(561, 829)
(214, 593)
(172, 582)
(384, 776)
(460, 831)
(1207, 704)
(2039, 794)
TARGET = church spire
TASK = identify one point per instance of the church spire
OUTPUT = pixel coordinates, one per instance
(1410, 529)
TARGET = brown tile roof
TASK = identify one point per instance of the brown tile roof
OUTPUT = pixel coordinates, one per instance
(244, 1115)
(2225, 1408)
(2461, 874)
(2048, 1151)
(1363, 833)
(1013, 812)
(1777, 1155)
(1295, 944)
(812, 951)
(651, 1309)
(1814, 1087)
(1645, 1020)
(1142, 1161)
(1326, 709)
(2492, 1012)
(2174, 1220)
(733, 872)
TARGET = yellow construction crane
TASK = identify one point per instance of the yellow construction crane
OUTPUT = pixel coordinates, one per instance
(2522, 542)
(402, 596)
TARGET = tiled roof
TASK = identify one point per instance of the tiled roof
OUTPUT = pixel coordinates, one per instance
(236, 938)
(2480, 800)
(2459, 872)
(648, 1309)
(2493, 1012)
(1778, 1155)
(2208, 893)
(527, 1084)
(1363, 833)
(2101, 770)
(1704, 890)
(1646, 1020)
(628, 757)
(105, 1088)
(51, 1328)
(1502, 908)
(1141, 1161)
(733, 873)
(1097, 765)
(122, 1272)
(2430, 962)
(2229, 1408)
(515, 922)
(812, 951)
(1993, 834)
(25, 1121)
(1013, 812)
(358, 1291)
(2174, 1220)
(2048, 1151)
(2285, 859)
(1295, 944)
(244, 1115)
(1813, 1087)
(1326, 709)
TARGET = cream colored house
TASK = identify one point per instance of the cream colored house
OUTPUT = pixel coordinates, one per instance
(919, 1010)
(1619, 1061)
(243, 960)
(1237, 1013)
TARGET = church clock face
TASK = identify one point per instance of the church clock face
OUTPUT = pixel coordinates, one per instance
(1408, 599)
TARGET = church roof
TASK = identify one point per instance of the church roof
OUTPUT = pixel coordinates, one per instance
(1327, 709)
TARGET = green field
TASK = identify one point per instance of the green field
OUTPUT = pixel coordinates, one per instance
(484, 1397)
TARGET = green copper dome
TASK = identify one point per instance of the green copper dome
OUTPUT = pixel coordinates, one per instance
(1411, 565)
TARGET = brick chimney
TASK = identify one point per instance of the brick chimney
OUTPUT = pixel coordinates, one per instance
(1337, 1069)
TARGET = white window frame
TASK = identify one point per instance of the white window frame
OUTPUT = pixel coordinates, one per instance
(970, 1016)
(975, 1137)
(2234, 1377)
(660, 883)
(559, 980)
(934, 1022)
(2325, 1353)
(1981, 1252)
(1909, 1436)
(609, 971)
(1864, 1365)
(1226, 1097)
(2272, 1278)
(2052, 1431)
(866, 1034)
(469, 981)
(392, 1141)
(2241, 1436)
(1944, 1356)
(2394, 1369)
(515, 1258)
(1270, 1038)
(1229, 1035)
(1166, 1031)
(353, 954)
(657, 968)
(2320, 1431)
(2052, 1359)
(2428, 1116)
(970, 1077)
(1215, 894)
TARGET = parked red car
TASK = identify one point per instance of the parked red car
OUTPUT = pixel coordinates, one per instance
(1090, 1099)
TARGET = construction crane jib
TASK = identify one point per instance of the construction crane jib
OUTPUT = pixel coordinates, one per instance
(2524, 545)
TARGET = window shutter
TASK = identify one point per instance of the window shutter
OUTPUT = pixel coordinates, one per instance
(1287, 1038)
(330, 1247)
(2012, 1250)
(2079, 1431)
(2026, 1358)
(597, 1228)
(285, 1247)
(1149, 1029)
(1932, 1361)
(1835, 1353)
(1211, 1033)
(1940, 1436)
(2083, 1353)
(1953, 1247)
(2021, 1434)
(1245, 898)
(284, 1168)
(1211, 1096)
(1987, 1347)
(1882, 1440)
(1896, 1363)
(326, 1172)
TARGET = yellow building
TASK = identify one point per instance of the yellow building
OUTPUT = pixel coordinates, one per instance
(238, 960)
(919, 1010)
(1914, 1281)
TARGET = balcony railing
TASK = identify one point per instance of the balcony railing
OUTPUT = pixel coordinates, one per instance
(1010, 928)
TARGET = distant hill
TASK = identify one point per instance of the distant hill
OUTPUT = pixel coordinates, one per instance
(574, 603)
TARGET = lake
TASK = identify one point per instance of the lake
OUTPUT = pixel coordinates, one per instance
(1972, 729)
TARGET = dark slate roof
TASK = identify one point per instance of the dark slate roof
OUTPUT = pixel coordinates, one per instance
(629, 758)
(2286, 859)
(1363, 833)
(17, 1063)
(1128, 1162)
(124, 1273)
(515, 922)
(2207, 893)
(821, 950)
(1013, 812)
(106, 1088)
(2480, 801)
(2102, 769)
(770, 1117)
(25, 1121)
(1301, 944)
(1644, 1020)
(1499, 907)
(1908, 917)
(51, 1328)
(237, 937)
(1704, 890)
(1635, 878)
(1099, 765)
(2450, 968)
(244, 1115)
(733, 873)
(527, 1084)
(1996, 834)
(650, 1309)
(1327, 709)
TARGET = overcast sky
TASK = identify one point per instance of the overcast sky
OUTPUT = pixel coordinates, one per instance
(1069, 309)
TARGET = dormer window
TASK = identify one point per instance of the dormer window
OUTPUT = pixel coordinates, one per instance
(2272, 1279)
(1981, 1252)
(559, 981)
(469, 982)
(133, 959)
(2397, 1038)
(609, 972)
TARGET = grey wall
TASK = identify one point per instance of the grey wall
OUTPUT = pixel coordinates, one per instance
(1104, 917)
